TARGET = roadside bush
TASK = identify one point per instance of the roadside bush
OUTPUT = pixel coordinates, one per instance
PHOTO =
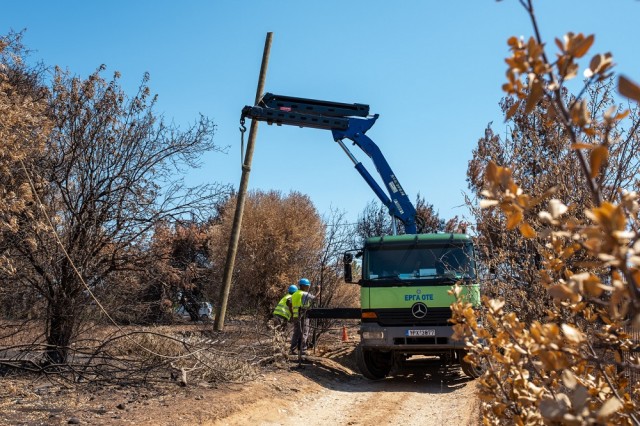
(575, 360)
(280, 242)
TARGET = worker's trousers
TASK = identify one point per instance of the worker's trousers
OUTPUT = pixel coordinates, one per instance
(300, 335)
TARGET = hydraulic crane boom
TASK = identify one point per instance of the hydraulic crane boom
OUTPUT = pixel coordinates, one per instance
(346, 121)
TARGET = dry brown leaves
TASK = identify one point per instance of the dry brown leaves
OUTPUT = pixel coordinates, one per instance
(580, 364)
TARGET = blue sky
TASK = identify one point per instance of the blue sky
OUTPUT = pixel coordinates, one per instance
(433, 70)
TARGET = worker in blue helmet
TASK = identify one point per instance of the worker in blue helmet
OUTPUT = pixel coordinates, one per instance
(301, 300)
(283, 312)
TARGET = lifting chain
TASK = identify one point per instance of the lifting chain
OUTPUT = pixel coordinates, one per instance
(243, 129)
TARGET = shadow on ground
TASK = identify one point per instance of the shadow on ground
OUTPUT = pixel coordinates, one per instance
(336, 370)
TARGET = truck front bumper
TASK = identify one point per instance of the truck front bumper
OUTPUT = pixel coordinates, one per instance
(417, 340)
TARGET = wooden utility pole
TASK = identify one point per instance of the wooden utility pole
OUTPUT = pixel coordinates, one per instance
(242, 192)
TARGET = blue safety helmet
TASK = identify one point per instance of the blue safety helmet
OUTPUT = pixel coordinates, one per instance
(293, 288)
(304, 282)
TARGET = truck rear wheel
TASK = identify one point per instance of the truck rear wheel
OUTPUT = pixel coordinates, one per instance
(374, 365)
(471, 370)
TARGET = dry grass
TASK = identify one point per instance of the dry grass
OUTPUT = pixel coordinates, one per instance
(135, 355)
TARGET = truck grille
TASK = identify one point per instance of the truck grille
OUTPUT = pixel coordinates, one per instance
(391, 317)
(421, 341)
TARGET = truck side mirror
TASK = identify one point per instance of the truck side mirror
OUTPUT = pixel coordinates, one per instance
(348, 270)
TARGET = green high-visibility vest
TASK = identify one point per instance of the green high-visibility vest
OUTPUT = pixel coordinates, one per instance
(296, 301)
(282, 310)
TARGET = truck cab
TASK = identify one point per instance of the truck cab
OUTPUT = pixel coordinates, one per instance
(405, 300)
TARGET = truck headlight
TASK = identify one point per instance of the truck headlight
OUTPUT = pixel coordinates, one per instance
(373, 335)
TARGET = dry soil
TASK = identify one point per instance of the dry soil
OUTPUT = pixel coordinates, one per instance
(324, 390)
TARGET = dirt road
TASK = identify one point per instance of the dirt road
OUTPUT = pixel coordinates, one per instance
(329, 394)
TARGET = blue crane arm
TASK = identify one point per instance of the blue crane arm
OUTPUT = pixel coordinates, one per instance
(346, 121)
(397, 202)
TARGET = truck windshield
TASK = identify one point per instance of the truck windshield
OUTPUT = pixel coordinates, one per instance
(433, 262)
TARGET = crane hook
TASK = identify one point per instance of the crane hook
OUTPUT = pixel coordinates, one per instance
(243, 129)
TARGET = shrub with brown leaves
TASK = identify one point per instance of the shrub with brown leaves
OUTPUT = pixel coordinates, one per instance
(578, 363)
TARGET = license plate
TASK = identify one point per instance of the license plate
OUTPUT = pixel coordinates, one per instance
(421, 333)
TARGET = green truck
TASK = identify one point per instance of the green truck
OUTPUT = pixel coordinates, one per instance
(405, 278)
(405, 298)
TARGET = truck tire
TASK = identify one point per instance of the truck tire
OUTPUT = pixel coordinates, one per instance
(374, 365)
(471, 370)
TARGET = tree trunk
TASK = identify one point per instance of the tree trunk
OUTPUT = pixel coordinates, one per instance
(61, 321)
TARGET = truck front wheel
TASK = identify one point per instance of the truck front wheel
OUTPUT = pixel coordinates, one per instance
(471, 370)
(374, 365)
